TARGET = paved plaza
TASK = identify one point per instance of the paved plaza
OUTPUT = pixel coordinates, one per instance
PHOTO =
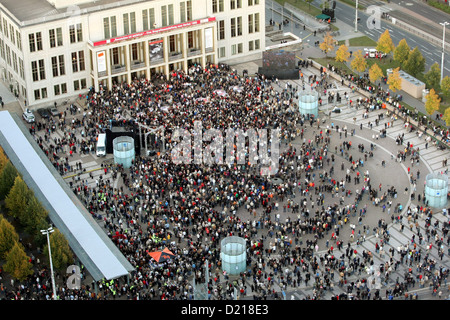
(350, 125)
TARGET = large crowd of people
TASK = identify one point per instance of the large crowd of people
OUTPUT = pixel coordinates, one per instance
(190, 208)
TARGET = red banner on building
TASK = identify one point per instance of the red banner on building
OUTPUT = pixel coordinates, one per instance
(154, 31)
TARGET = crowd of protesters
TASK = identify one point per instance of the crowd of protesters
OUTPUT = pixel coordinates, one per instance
(190, 208)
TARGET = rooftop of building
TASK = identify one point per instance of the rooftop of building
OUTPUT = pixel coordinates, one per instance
(38, 11)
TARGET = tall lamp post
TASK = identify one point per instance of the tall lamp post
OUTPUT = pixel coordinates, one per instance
(443, 48)
(356, 16)
(47, 232)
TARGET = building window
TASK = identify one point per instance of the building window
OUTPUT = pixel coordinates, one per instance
(256, 22)
(8, 55)
(58, 66)
(250, 46)
(214, 6)
(145, 19)
(240, 48)
(133, 22)
(257, 44)
(183, 11)
(41, 70)
(38, 41)
(34, 71)
(44, 93)
(57, 90)
(13, 38)
(233, 4)
(189, 10)
(38, 70)
(21, 69)
(126, 23)
(14, 56)
(221, 52)
(152, 21)
(76, 33)
(55, 36)
(32, 42)
(221, 5)
(78, 61)
(19, 40)
(221, 29)
(239, 4)
(106, 32)
(164, 16)
(37, 94)
(239, 26)
(79, 32)
(171, 22)
(233, 27)
(83, 83)
(233, 49)
(35, 41)
(5, 27)
(115, 56)
(250, 23)
(172, 43)
(134, 52)
(72, 35)
(190, 39)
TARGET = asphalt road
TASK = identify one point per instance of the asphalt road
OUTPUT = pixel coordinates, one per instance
(346, 13)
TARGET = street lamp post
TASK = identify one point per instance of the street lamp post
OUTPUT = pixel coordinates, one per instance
(356, 16)
(443, 48)
(47, 232)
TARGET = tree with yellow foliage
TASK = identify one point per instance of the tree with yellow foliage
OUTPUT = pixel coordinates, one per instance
(394, 81)
(342, 54)
(328, 43)
(432, 102)
(446, 116)
(359, 63)
(385, 43)
(375, 73)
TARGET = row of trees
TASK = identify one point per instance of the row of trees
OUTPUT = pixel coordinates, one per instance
(25, 209)
(411, 61)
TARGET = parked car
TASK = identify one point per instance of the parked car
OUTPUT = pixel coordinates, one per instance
(53, 111)
(43, 113)
(28, 116)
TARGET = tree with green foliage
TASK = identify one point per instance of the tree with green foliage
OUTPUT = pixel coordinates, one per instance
(8, 236)
(17, 199)
(34, 217)
(7, 177)
(3, 159)
(401, 52)
(62, 255)
(18, 264)
(445, 87)
(415, 63)
(433, 77)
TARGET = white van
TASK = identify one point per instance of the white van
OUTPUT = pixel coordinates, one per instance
(101, 145)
